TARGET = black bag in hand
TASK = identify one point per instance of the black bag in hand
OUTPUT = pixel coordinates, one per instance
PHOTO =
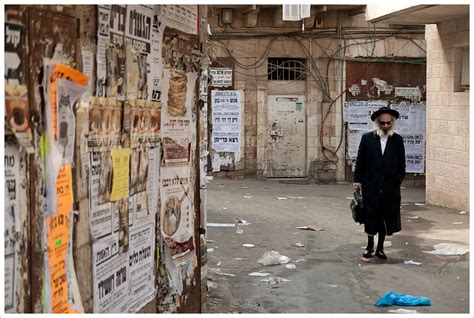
(357, 208)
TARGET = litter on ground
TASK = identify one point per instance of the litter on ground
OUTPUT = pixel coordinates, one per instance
(211, 285)
(275, 280)
(290, 266)
(462, 212)
(220, 225)
(420, 204)
(218, 271)
(403, 311)
(411, 262)
(247, 197)
(448, 249)
(313, 227)
(210, 249)
(261, 274)
(458, 223)
(391, 298)
(248, 245)
(299, 245)
(302, 259)
(282, 198)
(273, 258)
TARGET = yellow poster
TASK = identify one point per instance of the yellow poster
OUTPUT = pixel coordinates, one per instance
(64, 192)
(120, 170)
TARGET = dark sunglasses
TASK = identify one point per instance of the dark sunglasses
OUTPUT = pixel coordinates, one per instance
(383, 123)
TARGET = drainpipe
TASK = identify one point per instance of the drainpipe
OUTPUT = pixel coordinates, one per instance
(341, 63)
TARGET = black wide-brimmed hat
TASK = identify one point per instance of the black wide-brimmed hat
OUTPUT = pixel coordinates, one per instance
(384, 110)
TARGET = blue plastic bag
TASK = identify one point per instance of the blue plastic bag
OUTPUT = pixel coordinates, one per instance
(391, 298)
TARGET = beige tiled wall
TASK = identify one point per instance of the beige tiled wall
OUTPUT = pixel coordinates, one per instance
(447, 116)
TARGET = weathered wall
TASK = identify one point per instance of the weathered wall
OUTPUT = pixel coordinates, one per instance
(252, 46)
(447, 164)
(69, 36)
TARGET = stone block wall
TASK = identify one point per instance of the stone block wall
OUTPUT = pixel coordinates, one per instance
(447, 116)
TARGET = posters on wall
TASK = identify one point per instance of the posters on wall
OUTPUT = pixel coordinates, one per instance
(226, 121)
(13, 50)
(12, 223)
(177, 217)
(122, 27)
(411, 126)
(176, 115)
(181, 17)
(123, 236)
(221, 76)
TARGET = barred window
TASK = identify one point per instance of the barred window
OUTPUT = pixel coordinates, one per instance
(286, 69)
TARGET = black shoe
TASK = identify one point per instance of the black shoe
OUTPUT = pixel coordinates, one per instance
(380, 254)
(367, 253)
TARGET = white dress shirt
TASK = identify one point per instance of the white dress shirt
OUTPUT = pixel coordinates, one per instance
(383, 143)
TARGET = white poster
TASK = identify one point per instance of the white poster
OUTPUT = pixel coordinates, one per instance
(353, 143)
(110, 276)
(100, 219)
(226, 121)
(94, 180)
(181, 17)
(140, 261)
(88, 69)
(103, 21)
(403, 122)
(414, 151)
(153, 187)
(12, 222)
(156, 66)
(177, 214)
(221, 76)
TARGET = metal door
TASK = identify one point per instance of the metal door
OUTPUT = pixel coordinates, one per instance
(286, 148)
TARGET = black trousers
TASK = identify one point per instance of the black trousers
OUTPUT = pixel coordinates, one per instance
(381, 227)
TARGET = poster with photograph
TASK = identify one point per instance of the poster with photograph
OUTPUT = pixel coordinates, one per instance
(12, 222)
(226, 120)
(176, 115)
(177, 214)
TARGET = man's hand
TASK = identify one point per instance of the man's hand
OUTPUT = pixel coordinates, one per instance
(357, 187)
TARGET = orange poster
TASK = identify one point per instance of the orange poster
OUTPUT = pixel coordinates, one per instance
(58, 235)
(64, 192)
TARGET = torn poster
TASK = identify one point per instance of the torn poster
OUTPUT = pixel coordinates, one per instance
(226, 112)
(181, 17)
(67, 93)
(177, 214)
(12, 223)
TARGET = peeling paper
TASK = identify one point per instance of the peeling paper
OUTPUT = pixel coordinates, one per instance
(173, 271)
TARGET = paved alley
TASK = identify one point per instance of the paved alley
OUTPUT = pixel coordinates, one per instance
(328, 274)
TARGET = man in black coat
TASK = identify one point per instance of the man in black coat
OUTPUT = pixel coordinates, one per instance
(380, 169)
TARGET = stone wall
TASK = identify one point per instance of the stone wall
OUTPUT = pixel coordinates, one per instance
(447, 115)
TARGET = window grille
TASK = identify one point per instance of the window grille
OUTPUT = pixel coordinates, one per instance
(286, 69)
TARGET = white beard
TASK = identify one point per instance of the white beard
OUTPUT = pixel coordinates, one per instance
(381, 133)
